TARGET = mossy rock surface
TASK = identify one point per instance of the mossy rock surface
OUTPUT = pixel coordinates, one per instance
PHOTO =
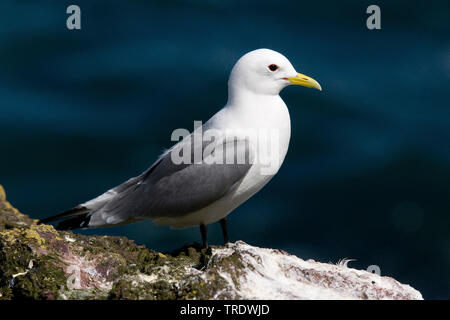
(39, 262)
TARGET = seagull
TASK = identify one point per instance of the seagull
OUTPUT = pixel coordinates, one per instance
(207, 186)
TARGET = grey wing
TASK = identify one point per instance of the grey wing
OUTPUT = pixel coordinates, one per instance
(167, 189)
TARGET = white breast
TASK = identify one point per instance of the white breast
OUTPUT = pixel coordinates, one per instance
(272, 119)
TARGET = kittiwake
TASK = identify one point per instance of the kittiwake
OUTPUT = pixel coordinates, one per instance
(210, 172)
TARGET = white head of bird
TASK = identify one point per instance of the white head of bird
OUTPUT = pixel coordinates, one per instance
(265, 72)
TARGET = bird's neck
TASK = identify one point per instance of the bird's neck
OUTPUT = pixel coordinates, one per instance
(258, 110)
(242, 97)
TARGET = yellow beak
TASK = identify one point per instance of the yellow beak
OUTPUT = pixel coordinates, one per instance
(302, 80)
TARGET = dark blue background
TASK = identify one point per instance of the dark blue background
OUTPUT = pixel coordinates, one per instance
(367, 175)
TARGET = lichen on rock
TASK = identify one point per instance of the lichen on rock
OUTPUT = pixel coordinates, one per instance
(39, 262)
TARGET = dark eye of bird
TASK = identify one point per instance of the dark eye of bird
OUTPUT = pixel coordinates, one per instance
(273, 67)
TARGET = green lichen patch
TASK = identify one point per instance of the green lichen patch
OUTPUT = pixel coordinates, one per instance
(27, 274)
(43, 281)
(195, 254)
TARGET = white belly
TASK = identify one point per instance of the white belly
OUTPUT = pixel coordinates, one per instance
(273, 117)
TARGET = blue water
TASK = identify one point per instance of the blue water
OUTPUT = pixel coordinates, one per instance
(367, 175)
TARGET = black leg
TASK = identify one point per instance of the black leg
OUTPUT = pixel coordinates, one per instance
(223, 224)
(204, 231)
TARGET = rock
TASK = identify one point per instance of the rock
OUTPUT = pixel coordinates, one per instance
(10, 217)
(39, 262)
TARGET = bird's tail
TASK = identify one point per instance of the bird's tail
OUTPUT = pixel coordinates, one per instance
(79, 218)
(80, 221)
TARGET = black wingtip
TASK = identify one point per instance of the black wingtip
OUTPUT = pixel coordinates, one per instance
(79, 210)
(80, 221)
